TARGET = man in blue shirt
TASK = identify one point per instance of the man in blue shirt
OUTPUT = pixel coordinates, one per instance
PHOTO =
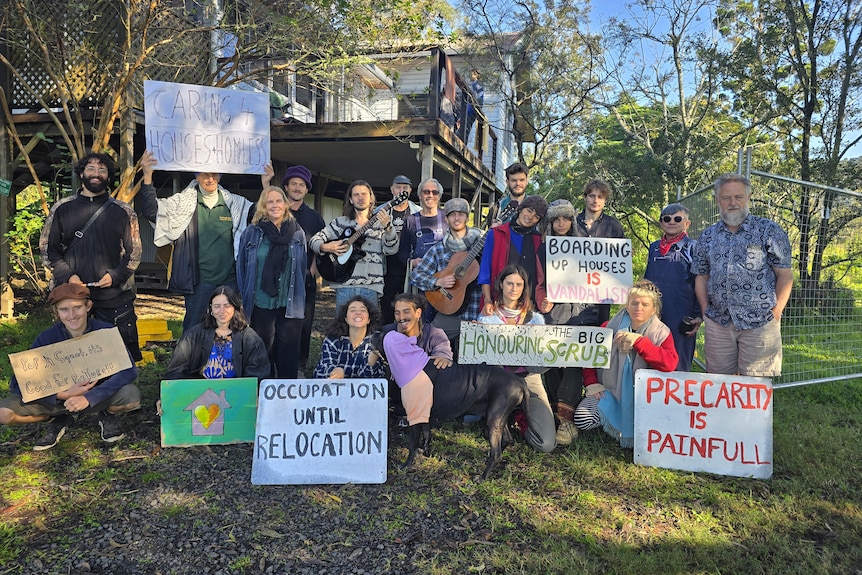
(743, 284)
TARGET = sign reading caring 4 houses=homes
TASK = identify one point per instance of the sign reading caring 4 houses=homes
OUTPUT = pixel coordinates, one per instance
(588, 270)
(204, 129)
(704, 422)
(321, 431)
(535, 345)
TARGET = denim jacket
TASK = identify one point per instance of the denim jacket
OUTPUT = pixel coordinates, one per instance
(246, 271)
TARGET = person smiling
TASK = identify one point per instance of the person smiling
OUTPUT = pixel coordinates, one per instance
(108, 397)
(271, 267)
(221, 346)
(347, 350)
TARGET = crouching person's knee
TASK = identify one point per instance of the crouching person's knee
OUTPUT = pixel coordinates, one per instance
(127, 399)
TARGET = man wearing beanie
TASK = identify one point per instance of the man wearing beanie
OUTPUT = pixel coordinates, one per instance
(114, 394)
(515, 242)
(459, 238)
(296, 184)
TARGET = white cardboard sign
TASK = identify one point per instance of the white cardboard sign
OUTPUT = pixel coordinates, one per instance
(535, 345)
(588, 270)
(204, 129)
(317, 431)
(704, 422)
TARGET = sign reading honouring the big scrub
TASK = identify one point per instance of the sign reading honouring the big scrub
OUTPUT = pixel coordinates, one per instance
(312, 431)
(204, 129)
(704, 422)
(588, 270)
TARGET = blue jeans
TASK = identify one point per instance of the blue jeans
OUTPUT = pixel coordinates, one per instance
(342, 295)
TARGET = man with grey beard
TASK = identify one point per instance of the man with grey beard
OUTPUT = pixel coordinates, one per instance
(743, 282)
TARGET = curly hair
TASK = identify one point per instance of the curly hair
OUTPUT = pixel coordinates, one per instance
(339, 328)
(103, 159)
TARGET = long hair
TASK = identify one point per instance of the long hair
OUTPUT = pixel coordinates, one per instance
(348, 210)
(238, 322)
(524, 302)
(338, 327)
(260, 207)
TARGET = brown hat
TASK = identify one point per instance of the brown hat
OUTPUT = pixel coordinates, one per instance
(68, 291)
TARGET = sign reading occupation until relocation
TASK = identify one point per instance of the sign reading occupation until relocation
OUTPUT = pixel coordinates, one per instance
(204, 129)
(588, 270)
(535, 345)
(50, 369)
(208, 411)
(704, 422)
(312, 431)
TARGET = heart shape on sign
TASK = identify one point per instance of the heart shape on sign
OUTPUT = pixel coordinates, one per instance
(207, 414)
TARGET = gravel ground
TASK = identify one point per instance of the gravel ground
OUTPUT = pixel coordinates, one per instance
(194, 510)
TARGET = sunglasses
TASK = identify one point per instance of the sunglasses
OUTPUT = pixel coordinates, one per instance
(668, 219)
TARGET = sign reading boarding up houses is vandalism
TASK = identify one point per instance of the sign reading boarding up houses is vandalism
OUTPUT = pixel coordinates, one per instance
(312, 431)
(704, 422)
(588, 270)
(203, 129)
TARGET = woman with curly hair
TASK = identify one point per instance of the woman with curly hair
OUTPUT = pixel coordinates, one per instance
(346, 351)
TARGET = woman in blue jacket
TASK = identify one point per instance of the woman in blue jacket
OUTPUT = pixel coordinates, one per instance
(271, 268)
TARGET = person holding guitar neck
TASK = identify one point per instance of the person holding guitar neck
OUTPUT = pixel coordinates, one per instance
(378, 240)
(433, 271)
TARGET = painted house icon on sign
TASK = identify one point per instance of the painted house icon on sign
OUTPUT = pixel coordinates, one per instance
(207, 413)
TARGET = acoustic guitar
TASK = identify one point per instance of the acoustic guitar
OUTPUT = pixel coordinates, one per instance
(465, 267)
(338, 269)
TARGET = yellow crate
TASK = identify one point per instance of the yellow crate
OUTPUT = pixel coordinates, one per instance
(149, 357)
(144, 338)
(148, 326)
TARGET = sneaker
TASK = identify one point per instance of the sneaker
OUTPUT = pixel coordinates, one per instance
(56, 430)
(566, 433)
(110, 427)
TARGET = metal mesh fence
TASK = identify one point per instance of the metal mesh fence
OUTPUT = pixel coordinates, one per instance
(822, 324)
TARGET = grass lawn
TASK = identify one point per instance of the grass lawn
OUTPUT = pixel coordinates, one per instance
(582, 509)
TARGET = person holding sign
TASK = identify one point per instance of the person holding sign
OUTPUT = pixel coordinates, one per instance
(565, 385)
(203, 223)
(378, 238)
(221, 346)
(669, 267)
(92, 239)
(271, 270)
(515, 243)
(641, 341)
(114, 394)
(347, 351)
(513, 306)
(743, 324)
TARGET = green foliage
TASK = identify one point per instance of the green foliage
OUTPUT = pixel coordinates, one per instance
(23, 239)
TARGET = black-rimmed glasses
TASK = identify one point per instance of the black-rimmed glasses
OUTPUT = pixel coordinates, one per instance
(667, 219)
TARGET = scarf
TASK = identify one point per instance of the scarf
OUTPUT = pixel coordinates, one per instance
(454, 244)
(665, 245)
(279, 253)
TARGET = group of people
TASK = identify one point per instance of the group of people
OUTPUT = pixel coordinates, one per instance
(249, 274)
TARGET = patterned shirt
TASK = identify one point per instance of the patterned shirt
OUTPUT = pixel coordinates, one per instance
(435, 260)
(739, 269)
(339, 352)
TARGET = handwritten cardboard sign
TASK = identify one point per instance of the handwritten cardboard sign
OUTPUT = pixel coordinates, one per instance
(50, 369)
(588, 270)
(704, 422)
(204, 129)
(312, 431)
(208, 411)
(535, 345)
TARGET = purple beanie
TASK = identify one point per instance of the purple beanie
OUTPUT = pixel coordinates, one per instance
(300, 172)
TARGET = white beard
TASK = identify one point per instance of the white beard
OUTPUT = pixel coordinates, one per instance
(734, 219)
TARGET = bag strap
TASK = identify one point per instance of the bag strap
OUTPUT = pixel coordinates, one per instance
(80, 233)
